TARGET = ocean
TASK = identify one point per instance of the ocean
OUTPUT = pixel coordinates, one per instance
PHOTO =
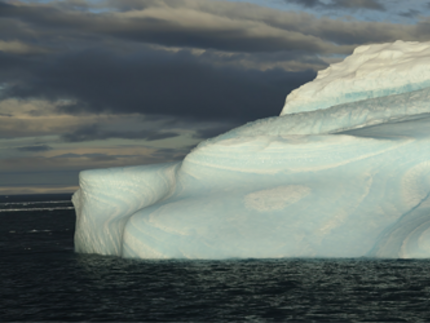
(43, 279)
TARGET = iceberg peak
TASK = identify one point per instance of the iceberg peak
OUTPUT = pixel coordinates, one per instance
(371, 71)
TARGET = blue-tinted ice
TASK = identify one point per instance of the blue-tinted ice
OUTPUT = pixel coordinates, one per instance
(344, 180)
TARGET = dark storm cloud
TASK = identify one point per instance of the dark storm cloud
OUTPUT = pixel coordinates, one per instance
(213, 131)
(44, 15)
(14, 67)
(37, 148)
(411, 13)
(342, 4)
(201, 129)
(157, 82)
(169, 154)
(307, 3)
(364, 4)
(189, 25)
(226, 26)
(93, 132)
(103, 63)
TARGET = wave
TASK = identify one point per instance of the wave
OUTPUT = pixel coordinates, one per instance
(34, 202)
(39, 209)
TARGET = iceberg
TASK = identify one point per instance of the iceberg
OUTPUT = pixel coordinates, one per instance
(344, 171)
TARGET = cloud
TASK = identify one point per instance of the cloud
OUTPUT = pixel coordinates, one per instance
(170, 154)
(187, 58)
(213, 131)
(202, 24)
(61, 172)
(17, 47)
(342, 4)
(358, 4)
(196, 24)
(97, 157)
(93, 132)
(225, 26)
(38, 117)
(157, 82)
(411, 13)
(92, 158)
(307, 3)
(36, 148)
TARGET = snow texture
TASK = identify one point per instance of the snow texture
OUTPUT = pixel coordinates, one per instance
(343, 172)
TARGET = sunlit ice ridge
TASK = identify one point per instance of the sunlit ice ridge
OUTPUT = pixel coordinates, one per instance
(344, 171)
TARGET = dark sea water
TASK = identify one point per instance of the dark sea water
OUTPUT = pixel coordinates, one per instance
(42, 279)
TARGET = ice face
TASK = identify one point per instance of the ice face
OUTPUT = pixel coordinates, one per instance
(348, 179)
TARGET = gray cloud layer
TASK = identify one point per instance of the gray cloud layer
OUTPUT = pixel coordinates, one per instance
(336, 4)
(155, 82)
(196, 58)
(93, 132)
(36, 148)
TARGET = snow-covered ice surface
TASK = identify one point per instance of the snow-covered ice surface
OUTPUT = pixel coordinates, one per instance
(343, 172)
(371, 71)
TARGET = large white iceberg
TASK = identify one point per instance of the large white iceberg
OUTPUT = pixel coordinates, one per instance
(343, 172)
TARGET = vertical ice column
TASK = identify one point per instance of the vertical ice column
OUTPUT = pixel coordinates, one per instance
(108, 197)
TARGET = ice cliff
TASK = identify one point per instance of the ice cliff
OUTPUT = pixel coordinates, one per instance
(344, 171)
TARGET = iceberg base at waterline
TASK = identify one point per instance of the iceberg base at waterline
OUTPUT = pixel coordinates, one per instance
(345, 180)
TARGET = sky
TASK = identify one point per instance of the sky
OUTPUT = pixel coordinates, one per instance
(106, 83)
